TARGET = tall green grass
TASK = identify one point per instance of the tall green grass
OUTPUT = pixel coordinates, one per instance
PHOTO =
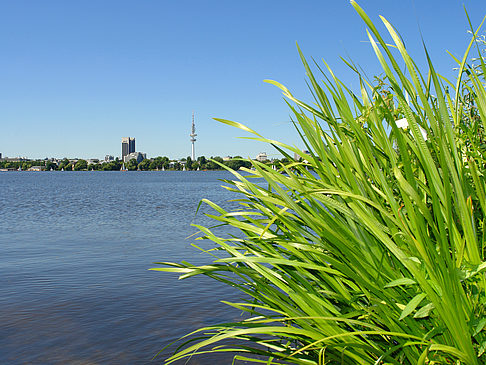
(369, 249)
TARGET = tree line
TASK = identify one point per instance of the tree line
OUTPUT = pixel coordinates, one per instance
(153, 164)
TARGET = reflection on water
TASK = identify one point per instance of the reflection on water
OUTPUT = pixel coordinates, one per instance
(75, 249)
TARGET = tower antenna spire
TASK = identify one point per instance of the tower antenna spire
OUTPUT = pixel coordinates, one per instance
(193, 138)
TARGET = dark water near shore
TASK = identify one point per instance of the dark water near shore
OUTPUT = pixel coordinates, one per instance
(75, 249)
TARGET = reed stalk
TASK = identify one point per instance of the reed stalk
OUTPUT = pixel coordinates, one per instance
(368, 249)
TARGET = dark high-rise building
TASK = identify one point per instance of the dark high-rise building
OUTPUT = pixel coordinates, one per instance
(128, 146)
(131, 145)
(125, 143)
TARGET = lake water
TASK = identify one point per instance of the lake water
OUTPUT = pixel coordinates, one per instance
(75, 249)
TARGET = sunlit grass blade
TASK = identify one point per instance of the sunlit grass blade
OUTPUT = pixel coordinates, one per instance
(369, 247)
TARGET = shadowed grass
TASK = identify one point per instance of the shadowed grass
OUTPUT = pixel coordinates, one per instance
(370, 248)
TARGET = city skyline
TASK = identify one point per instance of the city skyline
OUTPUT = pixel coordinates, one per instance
(77, 75)
(128, 146)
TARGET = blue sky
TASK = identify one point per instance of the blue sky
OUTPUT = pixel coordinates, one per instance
(76, 76)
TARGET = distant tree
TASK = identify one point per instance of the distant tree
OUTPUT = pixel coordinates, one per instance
(50, 165)
(237, 163)
(144, 165)
(132, 164)
(63, 164)
(153, 164)
(107, 166)
(212, 165)
(202, 160)
(112, 166)
(81, 165)
(95, 166)
(233, 164)
(158, 163)
(188, 163)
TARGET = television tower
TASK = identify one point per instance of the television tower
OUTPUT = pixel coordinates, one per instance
(193, 138)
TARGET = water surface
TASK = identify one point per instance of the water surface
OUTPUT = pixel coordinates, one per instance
(75, 249)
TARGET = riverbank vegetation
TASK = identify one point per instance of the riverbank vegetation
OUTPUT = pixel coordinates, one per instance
(153, 164)
(378, 255)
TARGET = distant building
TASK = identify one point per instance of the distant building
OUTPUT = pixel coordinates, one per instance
(16, 159)
(227, 158)
(131, 145)
(36, 168)
(297, 157)
(109, 158)
(128, 146)
(139, 156)
(262, 156)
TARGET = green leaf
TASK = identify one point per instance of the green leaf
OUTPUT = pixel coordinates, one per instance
(482, 348)
(424, 311)
(410, 307)
(423, 357)
(399, 282)
(237, 125)
(480, 326)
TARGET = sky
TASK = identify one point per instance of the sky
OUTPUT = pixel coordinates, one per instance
(77, 76)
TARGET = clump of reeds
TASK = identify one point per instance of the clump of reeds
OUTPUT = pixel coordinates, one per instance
(370, 248)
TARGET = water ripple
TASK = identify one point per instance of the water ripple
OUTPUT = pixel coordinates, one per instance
(75, 249)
